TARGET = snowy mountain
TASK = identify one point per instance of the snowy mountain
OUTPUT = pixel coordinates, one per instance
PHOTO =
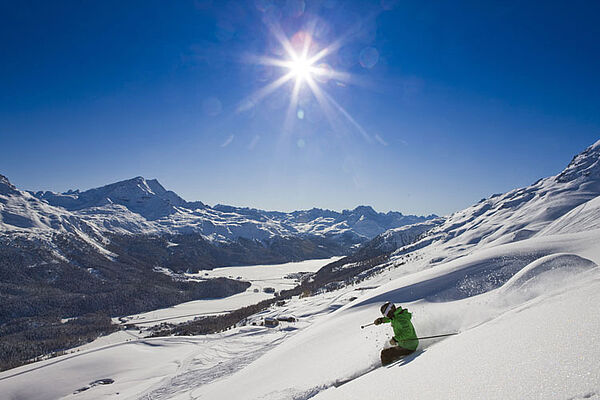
(145, 197)
(144, 207)
(140, 206)
(362, 222)
(24, 216)
(138, 213)
(523, 213)
(395, 238)
(562, 203)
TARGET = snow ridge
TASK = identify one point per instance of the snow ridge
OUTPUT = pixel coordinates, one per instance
(5, 186)
(585, 164)
(526, 212)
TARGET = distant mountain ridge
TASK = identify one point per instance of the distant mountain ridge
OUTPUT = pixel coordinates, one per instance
(140, 206)
(145, 197)
(119, 219)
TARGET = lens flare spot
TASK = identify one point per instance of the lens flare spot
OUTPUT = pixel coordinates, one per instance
(323, 73)
(369, 56)
(212, 106)
(302, 42)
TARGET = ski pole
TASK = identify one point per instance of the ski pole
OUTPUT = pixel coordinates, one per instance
(436, 336)
(364, 326)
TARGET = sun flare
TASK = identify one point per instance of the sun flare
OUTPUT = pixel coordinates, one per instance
(305, 64)
(301, 69)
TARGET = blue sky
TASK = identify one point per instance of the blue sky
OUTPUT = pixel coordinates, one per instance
(438, 105)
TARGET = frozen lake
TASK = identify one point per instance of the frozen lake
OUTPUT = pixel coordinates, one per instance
(260, 276)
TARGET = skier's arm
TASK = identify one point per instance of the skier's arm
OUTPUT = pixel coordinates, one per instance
(382, 320)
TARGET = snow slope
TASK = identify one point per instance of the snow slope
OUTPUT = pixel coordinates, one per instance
(22, 214)
(499, 332)
(546, 349)
(501, 266)
(158, 368)
(521, 213)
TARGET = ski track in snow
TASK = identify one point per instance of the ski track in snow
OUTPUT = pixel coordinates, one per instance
(208, 364)
(587, 395)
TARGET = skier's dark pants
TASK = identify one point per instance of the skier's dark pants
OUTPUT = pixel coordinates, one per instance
(392, 354)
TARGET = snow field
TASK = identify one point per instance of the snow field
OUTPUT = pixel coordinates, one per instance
(262, 276)
(60, 377)
(500, 319)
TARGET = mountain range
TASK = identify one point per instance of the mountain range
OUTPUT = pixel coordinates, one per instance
(140, 206)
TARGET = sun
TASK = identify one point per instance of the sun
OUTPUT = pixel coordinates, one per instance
(305, 63)
(301, 68)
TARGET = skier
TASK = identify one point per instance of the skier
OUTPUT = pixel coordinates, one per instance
(404, 341)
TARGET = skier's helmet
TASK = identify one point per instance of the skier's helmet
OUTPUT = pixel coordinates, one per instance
(388, 309)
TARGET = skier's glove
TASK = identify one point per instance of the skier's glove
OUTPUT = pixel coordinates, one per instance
(379, 321)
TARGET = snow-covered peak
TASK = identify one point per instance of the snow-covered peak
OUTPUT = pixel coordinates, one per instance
(585, 164)
(5, 186)
(145, 197)
(129, 188)
(361, 210)
(525, 212)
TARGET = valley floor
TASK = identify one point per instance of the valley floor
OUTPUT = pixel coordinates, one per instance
(278, 277)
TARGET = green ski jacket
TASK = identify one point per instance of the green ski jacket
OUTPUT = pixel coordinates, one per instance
(404, 331)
